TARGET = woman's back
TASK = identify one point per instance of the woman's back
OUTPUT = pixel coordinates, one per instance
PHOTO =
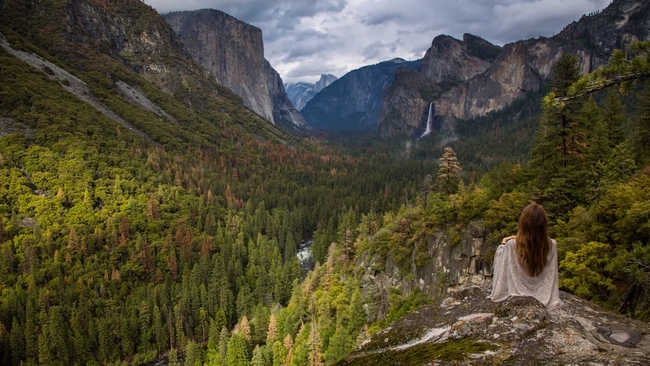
(510, 278)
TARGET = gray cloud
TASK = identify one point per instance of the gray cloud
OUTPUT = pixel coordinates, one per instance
(378, 48)
(380, 19)
(309, 69)
(303, 39)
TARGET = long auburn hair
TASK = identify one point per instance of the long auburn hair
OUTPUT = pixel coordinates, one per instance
(533, 243)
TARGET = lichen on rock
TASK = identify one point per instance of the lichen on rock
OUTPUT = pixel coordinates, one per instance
(519, 330)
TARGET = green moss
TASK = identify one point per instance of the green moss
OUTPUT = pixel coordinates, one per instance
(422, 354)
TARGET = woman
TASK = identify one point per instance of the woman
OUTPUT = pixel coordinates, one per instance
(526, 264)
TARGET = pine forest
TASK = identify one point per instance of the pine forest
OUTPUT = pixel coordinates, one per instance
(175, 237)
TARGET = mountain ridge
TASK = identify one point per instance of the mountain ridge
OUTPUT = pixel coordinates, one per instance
(301, 93)
(353, 102)
(504, 74)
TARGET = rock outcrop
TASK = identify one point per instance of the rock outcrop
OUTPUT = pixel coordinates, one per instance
(449, 59)
(522, 67)
(434, 269)
(468, 329)
(613, 28)
(354, 101)
(301, 93)
(233, 51)
(406, 104)
(447, 63)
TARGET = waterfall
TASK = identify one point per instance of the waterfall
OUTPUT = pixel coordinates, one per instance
(428, 130)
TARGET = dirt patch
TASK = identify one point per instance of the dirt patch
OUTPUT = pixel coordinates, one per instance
(10, 125)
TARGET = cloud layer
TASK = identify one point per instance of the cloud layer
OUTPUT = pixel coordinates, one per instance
(304, 39)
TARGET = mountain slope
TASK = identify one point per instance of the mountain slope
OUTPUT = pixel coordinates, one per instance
(471, 78)
(447, 63)
(301, 93)
(233, 51)
(612, 28)
(354, 101)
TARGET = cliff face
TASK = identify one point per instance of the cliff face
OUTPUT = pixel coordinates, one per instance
(521, 67)
(134, 34)
(614, 27)
(448, 62)
(131, 32)
(301, 93)
(405, 107)
(354, 101)
(472, 78)
(450, 59)
(284, 113)
(440, 267)
(233, 51)
(488, 79)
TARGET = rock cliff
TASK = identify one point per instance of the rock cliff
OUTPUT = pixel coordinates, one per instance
(522, 67)
(614, 27)
(301, 93)
(141, 39)
(354, 101)
(448, 62)
(450, 59)
(131, 32)
(233, 51)
(467, 329)
(488, 79)
(406, 104)
(436, 268)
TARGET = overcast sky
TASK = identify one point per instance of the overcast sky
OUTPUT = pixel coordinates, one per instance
(306, 38)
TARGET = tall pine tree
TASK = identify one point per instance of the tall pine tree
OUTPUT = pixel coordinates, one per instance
(559, 155)
(448, 171)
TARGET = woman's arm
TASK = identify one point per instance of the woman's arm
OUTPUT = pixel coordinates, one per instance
(505, 240)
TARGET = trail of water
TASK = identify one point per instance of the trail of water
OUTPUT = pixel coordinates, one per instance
(428, 130)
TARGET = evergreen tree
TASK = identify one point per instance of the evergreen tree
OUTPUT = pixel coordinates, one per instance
(237, 354)
(559, 155)
(614, 118)
(224, 341)
(193, 354)
(279, 354)
(598, 143)
(561, 139)
(448, 171)
(620, 165)
(642, 128)
(258, 357)
(300, 353)
(17, 342)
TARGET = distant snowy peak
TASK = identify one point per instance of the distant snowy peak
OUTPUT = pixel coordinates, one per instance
(301, 93)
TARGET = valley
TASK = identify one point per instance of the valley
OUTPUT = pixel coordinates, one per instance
(163, 200)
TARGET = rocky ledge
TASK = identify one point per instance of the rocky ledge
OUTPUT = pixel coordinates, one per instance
(467, 328)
